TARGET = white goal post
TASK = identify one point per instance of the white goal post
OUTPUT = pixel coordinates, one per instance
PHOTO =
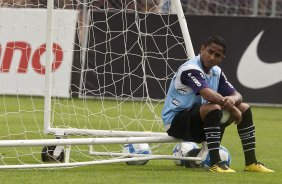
(92, 76)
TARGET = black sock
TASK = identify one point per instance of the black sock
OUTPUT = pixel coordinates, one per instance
(246, 131)
(212, 132)
(222, 129)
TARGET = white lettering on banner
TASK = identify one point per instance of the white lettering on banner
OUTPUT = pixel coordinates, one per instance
(23, 51)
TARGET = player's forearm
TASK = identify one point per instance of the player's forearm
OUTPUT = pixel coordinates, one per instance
(237, 97)
(211, 96)
(236, 114)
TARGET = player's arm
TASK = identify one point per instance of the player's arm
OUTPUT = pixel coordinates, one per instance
(196, 81)
(216, 98)
(211, 96)
(231, 100)
(231, 97)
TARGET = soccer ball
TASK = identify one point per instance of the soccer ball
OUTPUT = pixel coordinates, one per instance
(185, 148)
(143, 148)
(224, 155)
(225, 116)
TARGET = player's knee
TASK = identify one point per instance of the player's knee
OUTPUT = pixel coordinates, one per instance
(216, 107)
(247, 119)
(213, 118)
(243, 107)
(205, 110)
(210, 107)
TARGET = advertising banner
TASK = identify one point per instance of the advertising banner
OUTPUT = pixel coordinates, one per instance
(23, 51)
(253, 62)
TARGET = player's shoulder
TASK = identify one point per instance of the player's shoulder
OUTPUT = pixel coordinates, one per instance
(217, 70)
(192, 64)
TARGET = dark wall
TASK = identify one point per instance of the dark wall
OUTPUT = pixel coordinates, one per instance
(116, 73)
(110, 72)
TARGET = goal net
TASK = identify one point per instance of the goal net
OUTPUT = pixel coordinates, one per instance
(79, 80)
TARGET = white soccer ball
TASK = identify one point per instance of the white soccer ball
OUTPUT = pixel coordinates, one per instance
(225, 116)
(143, 148)
(224, 155)
(185, 148)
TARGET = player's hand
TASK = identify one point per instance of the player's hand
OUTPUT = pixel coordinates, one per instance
(237, 114)
(227, 103)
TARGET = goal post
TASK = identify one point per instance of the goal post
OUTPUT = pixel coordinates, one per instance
(48, 66)
(94, 83)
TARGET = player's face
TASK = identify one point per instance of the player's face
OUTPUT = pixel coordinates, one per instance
(211, 55)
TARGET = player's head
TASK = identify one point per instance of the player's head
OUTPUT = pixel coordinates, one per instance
(216, 40)
(212, 52)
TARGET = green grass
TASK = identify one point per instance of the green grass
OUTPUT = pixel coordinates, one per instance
(74, 113)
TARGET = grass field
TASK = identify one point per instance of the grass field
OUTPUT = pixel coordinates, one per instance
(268, 123)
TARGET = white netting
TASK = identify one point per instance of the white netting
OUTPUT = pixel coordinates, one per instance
(110, 70)
(112, 63)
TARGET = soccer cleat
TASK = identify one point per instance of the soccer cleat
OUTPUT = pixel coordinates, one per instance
(221, 168)
(257, 167)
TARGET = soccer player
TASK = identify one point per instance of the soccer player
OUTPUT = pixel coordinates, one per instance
(197, 96)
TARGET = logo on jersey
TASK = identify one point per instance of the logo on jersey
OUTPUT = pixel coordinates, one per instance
(226, 81)
(250, 61)
(196, 81)
(202, 75)
(182, 91)
(175, 102)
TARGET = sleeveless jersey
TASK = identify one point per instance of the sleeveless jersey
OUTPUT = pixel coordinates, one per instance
(185, 85)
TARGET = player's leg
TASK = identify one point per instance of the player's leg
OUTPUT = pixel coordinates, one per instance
(224, 125)
(211, 115)
(180, 126)
(189, 126)
(246, 131)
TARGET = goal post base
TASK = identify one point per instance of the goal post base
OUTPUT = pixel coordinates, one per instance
(110, 157)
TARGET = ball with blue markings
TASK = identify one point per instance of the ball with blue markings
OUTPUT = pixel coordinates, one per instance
(224, 155)
(142, 149)
(185, 148)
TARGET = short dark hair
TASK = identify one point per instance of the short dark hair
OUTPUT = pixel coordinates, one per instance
(217, 40)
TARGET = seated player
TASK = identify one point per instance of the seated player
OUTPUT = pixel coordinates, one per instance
(198, 93)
